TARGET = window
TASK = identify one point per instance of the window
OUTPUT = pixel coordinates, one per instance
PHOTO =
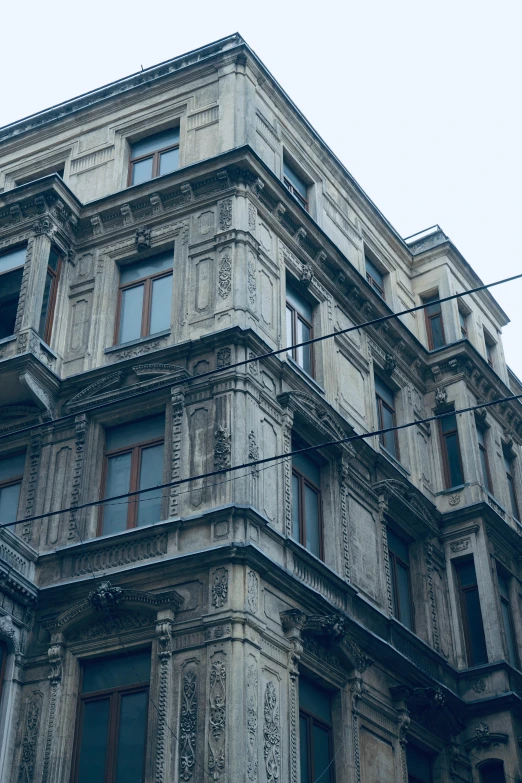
(145, 297)
(400, 578)
(3, 662)
(385, 399)
(492, 772)
(471, 614)
(434, 325)
(11, 474)
(112, 720)
(11, 271)
(295, 184)
(507, 617)
(306, 502)
(484, 461)
(299, 328)
(509, 464)
(374, 277)
(451, 459)
(133, 460)
(315, 734)
(419, 765)
(54, 264)
(59, 169)
(463, 321)
(490, 348)
(154, 156)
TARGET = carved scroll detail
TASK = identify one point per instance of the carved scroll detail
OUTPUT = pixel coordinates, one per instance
(272, 735)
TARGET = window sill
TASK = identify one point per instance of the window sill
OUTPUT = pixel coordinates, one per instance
(451, 490)
(139, 341)
(9, 339)
(394, 460)
(308, 378)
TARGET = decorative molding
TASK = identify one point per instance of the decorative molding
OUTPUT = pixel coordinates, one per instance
(225, 275)
(188, 726)
(251, 279)
(164, 644)
(222, 449)
(54, 654)
(252, 218)
(251, 709)
(225, 214)
(220, 588)
(288, 421)
(252, 592)
(205, 117)
(177, 401)
(429, 552)
(253, 452)
(123, 554)
(142, 239)
(343, 491)
(32, 720)
(113, 627)
(272, 735)
(223, 358)
(34, 454)
(484, 738)
(461, 545)
(80, 427)
(217, 719)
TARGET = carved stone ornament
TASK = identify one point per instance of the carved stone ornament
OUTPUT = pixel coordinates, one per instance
(307, 275)
(223, 358)
(225, 214)
(225, 276)
(220, 587)
(253, 452)
(252, 592)
(479, 686)
(217, 719)
(188, 725)
(460, 546)
(251, 705)
(44, 225)
(272, 735)
(454, 499)
(389, 364)
(441, 395)
(142, 239)
(30, 737)
(222, 449)
(484, 738)
(105, 596)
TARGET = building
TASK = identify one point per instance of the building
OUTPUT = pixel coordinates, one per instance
(353, 613)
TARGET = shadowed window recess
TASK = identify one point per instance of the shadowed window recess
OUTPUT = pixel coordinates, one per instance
(306, 502)
(471, 613)
(144, 298)
(434, 323)
(315, 733)
(11, 475)
(400, 578)
(299, 329)
(419, 765)
(504, 579)
(54, 265)
(295, 184)
(484, 457)
(375, 277)
(11, 272)
(451, 456)
(385, 401)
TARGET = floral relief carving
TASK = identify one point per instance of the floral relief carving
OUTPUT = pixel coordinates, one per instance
(223, 358)
(225, 214)
(252, 592)
(225, 276)
(30, 739)
(479, 686)
(222, 449)
(454, 499)
(253, 452)
(251, 280)
(252, 215)
(188, 726)
(217, 719)
(220, 587)
(251, 703)
(460, 546)
(271, 734)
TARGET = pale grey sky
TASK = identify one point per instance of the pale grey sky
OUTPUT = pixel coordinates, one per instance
(420, 100)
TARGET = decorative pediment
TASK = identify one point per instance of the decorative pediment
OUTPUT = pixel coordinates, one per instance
(404, 499)
(122, 384)
(429, 706)
(111, 606)
(315, 412)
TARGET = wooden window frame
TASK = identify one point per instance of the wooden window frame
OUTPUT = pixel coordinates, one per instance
(156, 156)
(14, 269)
(135, 451)
(53, 294)
(505, 600)
(512, 490)
(394, 558)
(303, 481)
(483, 450)
(114, 695)
(445, 456)
(428, 317)
(298, 316)
(380, 423)
(312, 718)
(464, 614)
(147, 283)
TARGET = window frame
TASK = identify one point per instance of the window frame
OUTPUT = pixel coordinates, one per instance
(6, 252)
(490, 347)
(114, 695)
(304, 481)
(156, 156)
(429, 317)
(136, 455)
(311, 719)
(504, 600)
(484, 458)
(445, 456)
(371, 280)
(510, 478)
(13, 480)
(147, 283)
(380, 420)
(463, 324)
(296, 316)
(393, 558)
(304, 202)
(470, 658)
(53, 294)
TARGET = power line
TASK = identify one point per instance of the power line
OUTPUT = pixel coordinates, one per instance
(268, 354)
(264, 460)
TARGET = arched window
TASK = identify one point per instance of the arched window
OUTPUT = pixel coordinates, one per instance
(492, 772)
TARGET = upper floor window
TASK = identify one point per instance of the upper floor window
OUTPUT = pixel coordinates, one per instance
(306, 502)
(434, 325)
(11, 475)
(299, 328)
(385, 400)
(419, 765)
(59, 169)
(399, 556)
(463, 322)
(451, 458)
(315, 733)
(133, 460)
(471, 613)
(507, 617)
(295, 184)
(509, 465)
(492, 772)
(3, 661)
(111, 728)
(153, 156)
(374, 277)
(484, 459)
(54, 263)
(11, 271)
(145, 295)
(490, 348)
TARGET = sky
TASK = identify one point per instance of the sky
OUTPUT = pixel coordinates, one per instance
(421, 101)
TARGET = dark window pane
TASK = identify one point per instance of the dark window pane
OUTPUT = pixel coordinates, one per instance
(295, 180)
(295, 508)
(290, 337)
(448, 423)
(131, 311)
(475, 627)
(303, 750)
(102, 674)
(93, 750)
(419, 765)
(484, 468)
(118, 481)
(161, 304)
(388, 438)
(308, 467)
(12, 467)
(508, 630)
(151, 471)
(10, 284)
(53, 259)
(12, 260)
(130, 761)
(49, 280)
(298, 302)
(454, 467)
(314, 699)
(432, 308)
(142, 171)
(304, 353)
(135, 432)
(384, 392)
(321, 752)
(147, 267)
(311, 501)
(157, 141)
(398, 546)
(374, 273)
(9, 497)
(437, 335)
(169, 161)
(493, 773)
(467, 574)
(403, 589)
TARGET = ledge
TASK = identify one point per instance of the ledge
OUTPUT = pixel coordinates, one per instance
(139, 341)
